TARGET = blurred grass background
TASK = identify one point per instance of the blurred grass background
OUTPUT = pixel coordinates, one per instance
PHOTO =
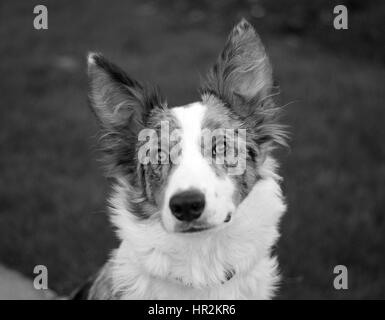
(52, 193)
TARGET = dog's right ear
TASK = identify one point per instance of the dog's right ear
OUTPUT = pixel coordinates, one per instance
(121, 106)
(115, 98)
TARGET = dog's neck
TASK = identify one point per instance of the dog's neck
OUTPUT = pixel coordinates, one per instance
(152, 263)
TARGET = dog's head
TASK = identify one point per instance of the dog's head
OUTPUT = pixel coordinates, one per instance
(189, 166)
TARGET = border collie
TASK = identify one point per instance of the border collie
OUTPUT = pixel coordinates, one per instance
(196, 199)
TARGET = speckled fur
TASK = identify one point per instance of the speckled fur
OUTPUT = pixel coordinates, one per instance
(154, 260)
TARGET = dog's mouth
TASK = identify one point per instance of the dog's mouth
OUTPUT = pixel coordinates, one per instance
(194, 229)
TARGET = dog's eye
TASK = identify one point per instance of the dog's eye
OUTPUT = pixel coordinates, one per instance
(231, 154)
(220, 149)
(224, 146)
(162, 156)
(214, 151)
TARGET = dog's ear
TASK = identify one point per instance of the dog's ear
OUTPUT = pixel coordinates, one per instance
(116, 99)
(242, 79)
(242, 71)
(121, 106)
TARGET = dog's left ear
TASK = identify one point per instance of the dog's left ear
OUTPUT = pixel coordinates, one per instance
(242, 71)
(242, 79)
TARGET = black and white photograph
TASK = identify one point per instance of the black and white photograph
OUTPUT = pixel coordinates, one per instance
(202, 150)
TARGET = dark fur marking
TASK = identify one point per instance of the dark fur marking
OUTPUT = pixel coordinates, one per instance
(219, 116)
(156, 174)
(229, 274)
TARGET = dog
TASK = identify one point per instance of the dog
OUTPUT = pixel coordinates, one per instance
(191, 227)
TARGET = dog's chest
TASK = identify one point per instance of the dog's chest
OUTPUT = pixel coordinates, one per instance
(258, 283)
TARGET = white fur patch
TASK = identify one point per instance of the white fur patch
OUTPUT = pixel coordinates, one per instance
(194, 172)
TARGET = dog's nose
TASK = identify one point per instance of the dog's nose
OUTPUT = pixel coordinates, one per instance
(187, 205)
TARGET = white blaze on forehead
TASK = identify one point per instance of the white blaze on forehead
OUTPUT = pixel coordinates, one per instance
(194, 171)
(190, 118)
(192, 164)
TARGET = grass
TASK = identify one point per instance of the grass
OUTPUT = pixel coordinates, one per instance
(52, 193)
